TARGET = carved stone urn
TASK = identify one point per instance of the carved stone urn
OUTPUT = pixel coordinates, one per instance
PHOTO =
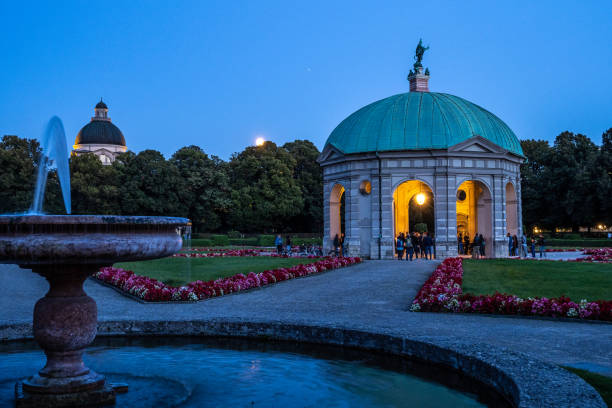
(65, 250)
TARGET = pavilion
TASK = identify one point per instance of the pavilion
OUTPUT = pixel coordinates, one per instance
(421, 158)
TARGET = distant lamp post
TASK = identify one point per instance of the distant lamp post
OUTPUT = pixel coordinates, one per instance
(260, 141)
(420, 199)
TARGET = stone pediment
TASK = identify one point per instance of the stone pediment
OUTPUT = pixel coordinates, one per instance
(329, 153)
(477, 144)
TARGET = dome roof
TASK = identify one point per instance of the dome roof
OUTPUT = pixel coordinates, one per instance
(100, 132)
(101, 105)
(417, 121)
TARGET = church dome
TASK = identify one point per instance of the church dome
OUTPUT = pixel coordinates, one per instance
(419, 121)
(100, 130)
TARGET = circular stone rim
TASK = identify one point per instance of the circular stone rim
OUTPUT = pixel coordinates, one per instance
(42, 219)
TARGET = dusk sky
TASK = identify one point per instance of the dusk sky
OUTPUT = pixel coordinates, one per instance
(219, 74)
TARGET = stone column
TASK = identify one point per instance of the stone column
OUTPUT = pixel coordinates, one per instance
(352, 234)
(327, 244)
(500, 249)
(445, 213)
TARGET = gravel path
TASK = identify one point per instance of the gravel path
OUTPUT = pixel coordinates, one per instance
(372, 296)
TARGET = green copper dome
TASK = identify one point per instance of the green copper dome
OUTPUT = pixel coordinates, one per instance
(417, 121)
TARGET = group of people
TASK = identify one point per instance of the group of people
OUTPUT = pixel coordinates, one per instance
(522, 248)
(413, 245)
(339, 245)
(465, 247)
(278, 242)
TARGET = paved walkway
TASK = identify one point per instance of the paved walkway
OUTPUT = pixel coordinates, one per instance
(373, 295)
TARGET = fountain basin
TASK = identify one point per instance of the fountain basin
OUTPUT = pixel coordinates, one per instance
(86, 239)
(65, 250)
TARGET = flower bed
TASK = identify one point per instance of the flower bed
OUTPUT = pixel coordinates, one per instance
(442, 293)
(239, 252)
(603, 255)
(153, 290)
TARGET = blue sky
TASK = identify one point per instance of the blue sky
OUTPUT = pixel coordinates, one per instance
(218, 74)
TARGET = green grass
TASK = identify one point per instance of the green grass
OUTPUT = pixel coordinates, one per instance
(601, 383)
(589, 281)
(179, 271)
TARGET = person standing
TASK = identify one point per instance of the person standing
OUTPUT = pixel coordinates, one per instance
(288, 244)
(428, 245)
(509, 240)
(399, 246)
(476, 246)
(466, 243)
(415, 244)
(459, 244)
(515, 245)
(336, 245)
(409, 247)
(524, 244)
(533, 244)
(278, 241)
(482, 245)
(542, 245)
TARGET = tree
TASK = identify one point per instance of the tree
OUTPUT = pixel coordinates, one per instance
(94, 187)
(206, 192)
(149, 185)
(265, 195)
(603, 174)
(535, 184)
(18, 158)
(573, 178)
(309, 177)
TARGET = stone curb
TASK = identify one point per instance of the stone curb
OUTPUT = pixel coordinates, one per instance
(525, 382)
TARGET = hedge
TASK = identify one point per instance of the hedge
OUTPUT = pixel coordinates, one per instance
(583, 243)
(201, 242)
(266, 240)
(219, 240)
(243, 241)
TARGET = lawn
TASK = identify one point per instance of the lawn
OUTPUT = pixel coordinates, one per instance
(179, 271)
(601, 383)
(578, 281)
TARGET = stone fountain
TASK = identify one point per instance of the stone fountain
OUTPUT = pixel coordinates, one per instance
(65, 250)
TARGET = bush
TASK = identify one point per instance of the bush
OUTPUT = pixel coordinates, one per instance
(201, 242)
(266, 240)
(219, 240)
(243, 241)
(580, 243)
(307, 241)
(234, 234)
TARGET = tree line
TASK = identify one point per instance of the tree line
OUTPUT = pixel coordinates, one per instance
(265, 188)
(274, 188)
(567, 184)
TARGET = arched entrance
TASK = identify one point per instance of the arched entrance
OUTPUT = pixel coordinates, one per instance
(511, 210)
(413, 208)
(474, 212)
(337, 211)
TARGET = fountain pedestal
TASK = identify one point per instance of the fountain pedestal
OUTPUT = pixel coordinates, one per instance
(65, 323)
(66, 249)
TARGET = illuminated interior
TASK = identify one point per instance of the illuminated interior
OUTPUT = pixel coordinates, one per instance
(336, 211)
(412, 204)
(474, 210)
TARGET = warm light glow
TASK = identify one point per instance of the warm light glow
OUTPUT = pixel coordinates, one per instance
(601, 226)
(260, 141)
(420, 199)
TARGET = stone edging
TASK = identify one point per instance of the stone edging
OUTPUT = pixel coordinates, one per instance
(525, 382)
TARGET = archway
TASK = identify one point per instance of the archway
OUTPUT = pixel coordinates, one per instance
(337, 211)
(474, 212)
(511, 210)
(413, 208)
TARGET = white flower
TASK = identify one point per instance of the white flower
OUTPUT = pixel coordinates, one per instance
(415, 307)
(572, 312)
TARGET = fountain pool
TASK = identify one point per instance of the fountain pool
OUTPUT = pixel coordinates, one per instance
(202, 372)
